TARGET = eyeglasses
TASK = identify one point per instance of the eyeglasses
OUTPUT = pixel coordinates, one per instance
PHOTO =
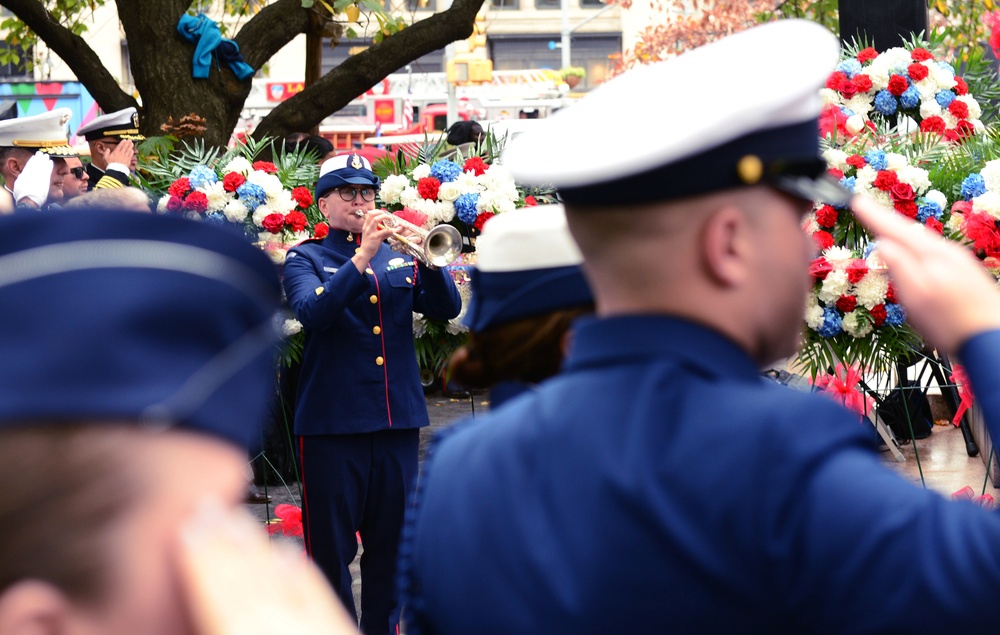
(78, 171)
(350, 193)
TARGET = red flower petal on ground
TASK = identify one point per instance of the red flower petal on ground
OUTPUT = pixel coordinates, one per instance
(180, 187)
(920, 55)
(428, 187)
(273, 223)
(233, 180)
(302, 196)
(265, 166)
(196, 202)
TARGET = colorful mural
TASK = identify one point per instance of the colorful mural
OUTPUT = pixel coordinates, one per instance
(34, 98)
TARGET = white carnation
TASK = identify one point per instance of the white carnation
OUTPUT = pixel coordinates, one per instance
(161, 205)
(944, 78)
(974, 110)
(930, 108)
(814, 316)
(915, 177)
(991, 175)
(263, 211)
(895, 161)
(988, 203)
(282, 200)
(855, 325)
(446, 211)
(419, 326)
(855, 124)
(290, 327)
(269, 182)
(860, 104)
(421, 171)
(467, 183)
(392, 188)
(954, 223)
(864, 178)
(934, 196)
(235, 211)
(872, 289)
(829, 96)
(839, 257)
(835, 285)
(240, 165)
(217, 196)
(410, 198)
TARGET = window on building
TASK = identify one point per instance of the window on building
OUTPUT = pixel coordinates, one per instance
(421, 5)
(547, 4)
(592, 4)
(507, 5)
(18, 68)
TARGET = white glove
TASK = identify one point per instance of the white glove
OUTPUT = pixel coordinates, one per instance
(33, 181)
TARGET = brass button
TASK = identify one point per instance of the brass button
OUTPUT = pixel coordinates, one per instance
(369, 270)
(409, 280)
(357, 250)
(373, 299)
(319, 290)
(377, 330)
(379, 361)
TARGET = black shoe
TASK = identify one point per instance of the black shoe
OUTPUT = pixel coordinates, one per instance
(256, 497)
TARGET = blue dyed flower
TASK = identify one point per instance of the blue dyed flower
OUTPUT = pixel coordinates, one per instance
(831, 323)
(849, 67)
(910, 98)
(876, 159)
(465, 208)
(847, 111)
(251, 195)
(927, 209)
(973, 186)
(895, 314)
(201, 176)
(946, 66)
(848, 182)
(944, 98)
(885, 103)
(446, 171)
(869, 248)
(215, 218)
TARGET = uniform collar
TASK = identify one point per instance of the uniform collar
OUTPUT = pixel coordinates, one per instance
(640, 338)
(338, 237)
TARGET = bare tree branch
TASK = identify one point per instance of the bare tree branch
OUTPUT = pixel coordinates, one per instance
(362, 71)
(74, 51)
(271, 29)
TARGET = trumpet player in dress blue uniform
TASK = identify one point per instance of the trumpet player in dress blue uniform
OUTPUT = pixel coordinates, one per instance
(360, 404)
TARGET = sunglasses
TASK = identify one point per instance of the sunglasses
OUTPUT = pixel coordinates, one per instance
(78, 171)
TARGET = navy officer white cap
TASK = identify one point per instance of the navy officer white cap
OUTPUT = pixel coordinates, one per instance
(681, 127)
(45, 132)
(121, 124)
(525, 239)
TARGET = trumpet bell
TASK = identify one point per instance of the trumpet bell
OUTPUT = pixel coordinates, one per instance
(442, 245)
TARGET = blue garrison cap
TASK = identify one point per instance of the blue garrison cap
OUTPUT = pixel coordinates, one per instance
(527, 264)
(346, 169)
(741, 111)
(113, 316)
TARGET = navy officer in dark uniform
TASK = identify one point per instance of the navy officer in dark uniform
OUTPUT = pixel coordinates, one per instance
(360, 403)
(659, 484)
(112, 138)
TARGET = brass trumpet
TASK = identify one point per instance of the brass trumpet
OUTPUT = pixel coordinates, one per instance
(438, 247)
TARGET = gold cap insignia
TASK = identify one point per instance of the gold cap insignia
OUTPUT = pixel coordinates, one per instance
(356, 162)
(63, 120)
(135, 119)
(750, 169)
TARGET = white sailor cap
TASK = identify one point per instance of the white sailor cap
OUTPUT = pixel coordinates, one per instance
(737, 112)
(122, 124)
(45, 132)
(526, 264)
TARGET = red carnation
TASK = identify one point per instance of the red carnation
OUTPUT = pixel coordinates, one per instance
(481, 220)
(835, 173)
(835, 80)
(175, 204)
(965, 128)
(428, 187)
(898, 85)
(321, 230)
(820, 268)
(529, 201)
(917, 72)
(885, 179)
(824, 240)
(890, 294)
(862, 82)
(847, 88)
(959, 109)
(952, 135)
(832, 121)
(297, 221)
(878, 314)
(847, 303)
(233, 180)
(920, 55)
(935, 224)
(196, 202)
(826, 216)
(933, 124)
(962, 207)
(180, 187)
(906, 208)
(867, 55)
(302, 196)
(475, 165)
(273, 223)
(856, 161)
(857, 270)
(902, 192)
(961, 88)
(265, 166)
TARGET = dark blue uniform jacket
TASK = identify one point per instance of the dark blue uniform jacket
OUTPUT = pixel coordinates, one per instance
(660, 485)
(359, 369)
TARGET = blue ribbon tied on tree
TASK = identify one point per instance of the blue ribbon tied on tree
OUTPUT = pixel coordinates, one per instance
(204, 33)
